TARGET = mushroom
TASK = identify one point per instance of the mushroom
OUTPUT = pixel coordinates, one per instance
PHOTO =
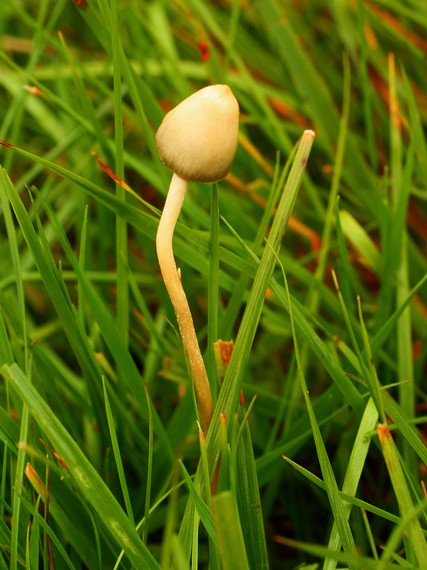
(197, 140)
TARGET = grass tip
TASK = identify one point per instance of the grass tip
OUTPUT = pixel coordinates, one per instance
(309, 133)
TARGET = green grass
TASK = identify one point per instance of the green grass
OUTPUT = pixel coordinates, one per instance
(316, 269)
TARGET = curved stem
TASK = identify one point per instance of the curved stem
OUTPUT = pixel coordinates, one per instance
(172, 280)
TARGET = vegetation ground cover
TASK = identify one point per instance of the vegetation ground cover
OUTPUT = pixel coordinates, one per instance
(312, 274)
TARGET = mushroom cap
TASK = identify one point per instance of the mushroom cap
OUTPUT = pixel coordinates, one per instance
(198, 138)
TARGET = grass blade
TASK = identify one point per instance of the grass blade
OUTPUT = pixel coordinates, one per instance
(248, 498)
(229, 531)
(117, 455)
(354, 471)
(417, 539)
(233, 376)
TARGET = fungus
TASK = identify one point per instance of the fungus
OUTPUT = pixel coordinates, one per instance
(197, 140)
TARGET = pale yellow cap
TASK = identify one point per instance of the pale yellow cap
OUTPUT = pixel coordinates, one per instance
(198, 138)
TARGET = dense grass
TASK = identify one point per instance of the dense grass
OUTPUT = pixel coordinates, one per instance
(320, 416)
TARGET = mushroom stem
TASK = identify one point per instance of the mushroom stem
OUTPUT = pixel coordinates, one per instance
(172, 280)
